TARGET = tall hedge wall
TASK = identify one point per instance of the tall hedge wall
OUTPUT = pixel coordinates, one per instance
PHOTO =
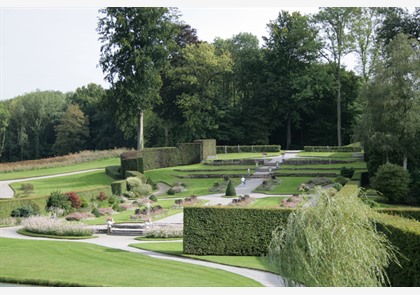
(207, 148)
(153, 158)
(405, 234)
(8, 205)
(230, 231)
(227, 149)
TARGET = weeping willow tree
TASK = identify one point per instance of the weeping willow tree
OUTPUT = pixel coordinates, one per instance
(332, 244)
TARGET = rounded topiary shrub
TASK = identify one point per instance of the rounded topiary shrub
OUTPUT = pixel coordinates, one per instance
(153, 198)
(392, 181)
(230, 189)
(171, 191)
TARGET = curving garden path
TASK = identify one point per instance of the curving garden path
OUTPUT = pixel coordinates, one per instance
(122, 242)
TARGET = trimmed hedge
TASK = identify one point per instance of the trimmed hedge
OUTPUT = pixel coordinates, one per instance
(154, 158)
(230, 231)
(410, 213)
(113, 171)
(8, 205)
(306, 174)
(405, 234)
(207, 148)
(354, 149)
(227, 149)
(312, 161)
(119, 187)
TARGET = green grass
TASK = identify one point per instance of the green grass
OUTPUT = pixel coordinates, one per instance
(78, 182)
(198, 187)
(58, 170)
(268, 202)
(124, 216)
(287, 186)
(176, 248)
(83, 264)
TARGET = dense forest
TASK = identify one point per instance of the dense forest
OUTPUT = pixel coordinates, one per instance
(168, 86)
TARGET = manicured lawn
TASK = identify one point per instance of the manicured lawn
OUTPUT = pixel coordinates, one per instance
(76, 183)
(175, 248)
(58, 170)
(124, 216)
(269, 202)
(198, 187)
(287, 186)
(82, 264)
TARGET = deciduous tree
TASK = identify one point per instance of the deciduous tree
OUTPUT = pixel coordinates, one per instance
(136, 42)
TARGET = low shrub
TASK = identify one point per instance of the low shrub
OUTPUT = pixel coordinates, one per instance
(55, 227)
(153, 198)
(319, 181)
(164, 231)
(143, 190)
(292, 202)
(341, 179)
(171, 191)
(25, 211)
(59, 200)
(338, 186)
(218, 187)
(105, 211)
(95, 212)
(133, 182)
(27, 187)
(102, 196)
(347, 172)
(392, 181)
(74, 200)
(77, 216)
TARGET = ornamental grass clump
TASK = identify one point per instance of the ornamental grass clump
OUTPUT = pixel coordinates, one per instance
(55, 227)
(333, 243)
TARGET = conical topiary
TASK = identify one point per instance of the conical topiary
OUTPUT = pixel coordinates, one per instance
(230, 189)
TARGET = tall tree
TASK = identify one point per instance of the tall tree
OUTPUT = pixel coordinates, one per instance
(72, 131)
(398, 20)
(366, 46)
(200, 104)
(291, 48)
(333, 23)
(136, 42)
(4, 123)
(391, 120)
(169, 115)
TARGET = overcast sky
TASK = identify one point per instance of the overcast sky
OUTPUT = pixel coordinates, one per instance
(56, 47)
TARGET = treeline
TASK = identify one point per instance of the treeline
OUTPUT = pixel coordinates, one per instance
(292, 90)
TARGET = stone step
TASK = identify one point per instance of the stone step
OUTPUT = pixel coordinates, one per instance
(126, 232)
(129, 225)
(260, 175)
